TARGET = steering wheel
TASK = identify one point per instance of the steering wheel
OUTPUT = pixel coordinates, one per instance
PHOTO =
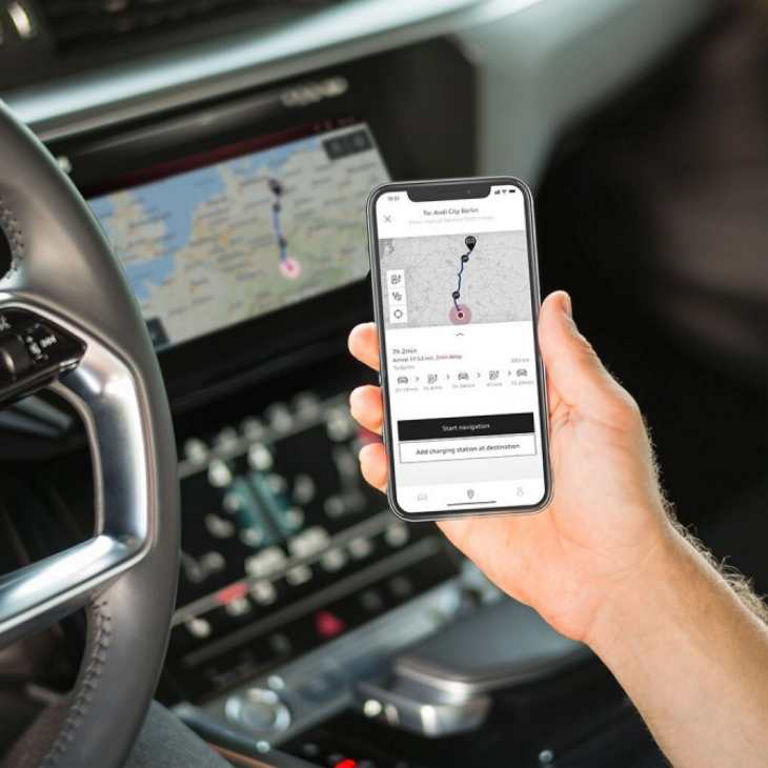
(68, 320)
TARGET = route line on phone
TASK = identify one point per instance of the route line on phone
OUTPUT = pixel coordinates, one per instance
(460, 313)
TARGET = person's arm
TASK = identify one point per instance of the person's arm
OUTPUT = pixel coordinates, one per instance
(604, 564)
(692, 656)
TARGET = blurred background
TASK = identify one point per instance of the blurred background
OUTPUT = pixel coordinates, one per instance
(642, 126)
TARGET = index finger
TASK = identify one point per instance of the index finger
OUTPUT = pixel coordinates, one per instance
(363, 343)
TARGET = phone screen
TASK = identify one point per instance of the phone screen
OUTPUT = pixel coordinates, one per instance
(457, 294)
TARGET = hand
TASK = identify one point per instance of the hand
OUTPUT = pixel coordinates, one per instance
(606, 523)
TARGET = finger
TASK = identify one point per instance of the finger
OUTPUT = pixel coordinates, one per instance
(363, 343)
(366, 408)
(573, 368)
(373, 465)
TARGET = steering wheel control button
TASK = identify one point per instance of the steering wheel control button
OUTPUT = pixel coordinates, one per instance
(42, 343)
(260, 710)
(33, 353)
(14, 357)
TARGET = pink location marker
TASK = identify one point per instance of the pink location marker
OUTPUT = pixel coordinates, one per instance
(460, 314)
(290, 268)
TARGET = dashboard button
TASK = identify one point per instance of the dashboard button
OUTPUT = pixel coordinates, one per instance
(240, 606)
(310, 749)
(372, 601)
(360, 548)
(328, 625)
(280, 645)
(298, 575)
(263, 592)
(307, 405)
(219, 474)
(334, 506)
(199, 628)
(346, 762)
(260, 457)
(258, 709)
(309, 542)
(195, 451)
(280, 418)
(401, 586)
(396, 534)
(333, 560)
(266, 562)
(303, 489)
(253, 428)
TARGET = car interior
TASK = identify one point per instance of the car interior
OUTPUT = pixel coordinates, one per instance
(191, 565)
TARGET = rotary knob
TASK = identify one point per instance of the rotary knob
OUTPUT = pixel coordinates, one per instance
(259, 709)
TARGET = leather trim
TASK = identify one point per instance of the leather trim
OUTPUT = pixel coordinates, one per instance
(100, 624)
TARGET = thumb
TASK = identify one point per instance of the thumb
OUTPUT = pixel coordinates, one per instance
(573, 368)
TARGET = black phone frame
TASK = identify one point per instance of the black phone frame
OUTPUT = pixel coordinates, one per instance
(457, 189)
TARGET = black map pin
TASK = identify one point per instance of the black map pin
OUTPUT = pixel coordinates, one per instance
(470, 241)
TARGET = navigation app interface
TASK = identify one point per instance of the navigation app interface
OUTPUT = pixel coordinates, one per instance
(460, 351)
(231, 240)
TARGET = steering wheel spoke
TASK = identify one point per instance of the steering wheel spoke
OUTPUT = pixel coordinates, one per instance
(39, 594)
(36, 351)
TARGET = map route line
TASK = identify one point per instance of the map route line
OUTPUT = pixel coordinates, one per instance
(460, 314)
(289, 267)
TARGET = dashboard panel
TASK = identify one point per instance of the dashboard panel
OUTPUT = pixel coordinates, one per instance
(284, 547)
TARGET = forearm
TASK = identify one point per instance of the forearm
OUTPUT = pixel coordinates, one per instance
(692, 657)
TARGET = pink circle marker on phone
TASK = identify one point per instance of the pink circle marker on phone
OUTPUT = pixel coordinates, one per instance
(460, 314)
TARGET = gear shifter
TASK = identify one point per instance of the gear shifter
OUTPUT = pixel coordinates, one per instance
(442, 685)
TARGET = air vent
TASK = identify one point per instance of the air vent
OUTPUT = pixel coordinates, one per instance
(78, 25)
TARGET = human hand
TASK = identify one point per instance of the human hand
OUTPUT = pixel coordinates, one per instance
(606, 523)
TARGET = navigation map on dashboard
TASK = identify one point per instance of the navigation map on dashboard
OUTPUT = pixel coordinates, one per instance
(229, 241)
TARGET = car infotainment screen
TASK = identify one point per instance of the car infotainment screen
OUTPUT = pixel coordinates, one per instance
(244, 231)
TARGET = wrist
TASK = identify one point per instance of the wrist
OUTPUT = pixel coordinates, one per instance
(638, 604)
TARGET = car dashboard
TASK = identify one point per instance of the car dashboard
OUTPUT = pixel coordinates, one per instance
(229, 171)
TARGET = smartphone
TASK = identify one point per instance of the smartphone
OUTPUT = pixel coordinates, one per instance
(456, 300)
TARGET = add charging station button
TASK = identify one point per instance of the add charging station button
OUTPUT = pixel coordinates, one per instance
(465, 426)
